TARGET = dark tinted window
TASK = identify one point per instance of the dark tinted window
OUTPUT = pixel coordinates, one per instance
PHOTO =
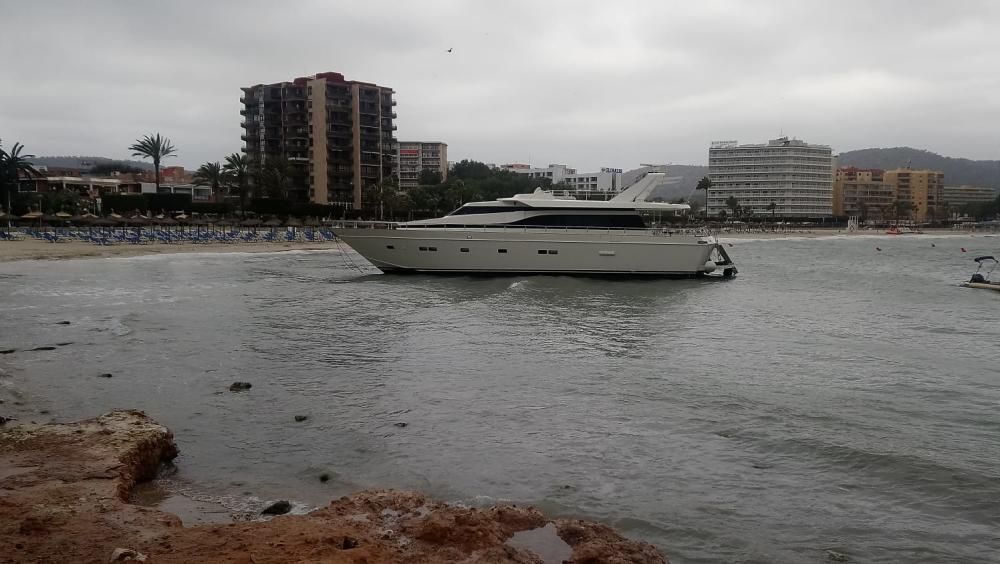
(583, 220)
(471, 210)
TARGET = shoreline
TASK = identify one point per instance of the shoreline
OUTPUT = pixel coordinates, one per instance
(33, 249)
(67, 490)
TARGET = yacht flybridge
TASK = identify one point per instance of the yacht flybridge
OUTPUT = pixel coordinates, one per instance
(541, 234)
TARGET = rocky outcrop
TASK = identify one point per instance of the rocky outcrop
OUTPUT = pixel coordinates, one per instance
(63, 492)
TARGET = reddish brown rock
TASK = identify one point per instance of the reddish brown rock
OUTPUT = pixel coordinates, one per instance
(64, 491)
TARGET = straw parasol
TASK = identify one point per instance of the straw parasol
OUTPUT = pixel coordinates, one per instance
(273, 222)
(294, 222)
(166, 221)
(105, 222)
(32, 215)
(250, 222)
(63, 214)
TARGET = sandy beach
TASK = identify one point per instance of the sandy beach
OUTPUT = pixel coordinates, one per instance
(34, 249)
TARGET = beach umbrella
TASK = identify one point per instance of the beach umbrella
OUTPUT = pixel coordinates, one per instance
(166, 221)
(89, 215)
(249, 222)
(294, 222)
(104, 222)
(114, 216)
(63, 214)
(32, 215)
(51, 219)
(273, 222)
(78, 219)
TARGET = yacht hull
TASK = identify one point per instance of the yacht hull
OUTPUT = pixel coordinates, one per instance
(558, 251)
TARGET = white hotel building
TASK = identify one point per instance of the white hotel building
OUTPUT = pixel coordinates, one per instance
(795, 175)
(607, 180)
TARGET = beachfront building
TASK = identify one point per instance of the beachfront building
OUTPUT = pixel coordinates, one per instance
(796, 176)
(334, 136)
(917, 193)
(861, 192)
(958, 196)
(416, 157)
(607, 180)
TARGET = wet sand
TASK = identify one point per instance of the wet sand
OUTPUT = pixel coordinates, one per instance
(33, 249)
(820, 233)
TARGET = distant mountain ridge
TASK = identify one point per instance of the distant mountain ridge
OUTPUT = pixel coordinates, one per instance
(956, 171)
(84, 163)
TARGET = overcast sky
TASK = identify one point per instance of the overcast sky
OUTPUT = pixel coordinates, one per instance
(588, 84)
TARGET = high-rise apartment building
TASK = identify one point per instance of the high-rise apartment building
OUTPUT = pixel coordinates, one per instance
(418, 156)
(796, 176)
(335, 136)
(861, 192)
(919, 193)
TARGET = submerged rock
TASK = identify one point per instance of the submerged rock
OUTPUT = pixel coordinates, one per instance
(277, 508)
(43, 349)
(105, 375)
(62, 322)
(240, 386)
(126, 555)
(401, 424)
(301, 418)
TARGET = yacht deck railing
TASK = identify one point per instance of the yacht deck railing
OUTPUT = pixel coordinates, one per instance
(392, 225)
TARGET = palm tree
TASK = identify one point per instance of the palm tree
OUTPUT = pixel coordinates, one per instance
(275, 177)
(772, 207)
(155, 148)
(12, 165)
(236, 171)
(862, 211)
(210, 173)
(704, 184)
(733, 204)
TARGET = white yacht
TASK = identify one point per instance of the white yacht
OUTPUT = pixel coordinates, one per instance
(541, 234)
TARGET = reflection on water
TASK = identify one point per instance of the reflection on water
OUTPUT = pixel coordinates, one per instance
(832, 397)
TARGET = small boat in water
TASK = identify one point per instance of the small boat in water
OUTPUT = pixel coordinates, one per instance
(896, 230)
(980, 279)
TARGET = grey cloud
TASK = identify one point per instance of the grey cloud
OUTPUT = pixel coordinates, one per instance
(584, 83)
